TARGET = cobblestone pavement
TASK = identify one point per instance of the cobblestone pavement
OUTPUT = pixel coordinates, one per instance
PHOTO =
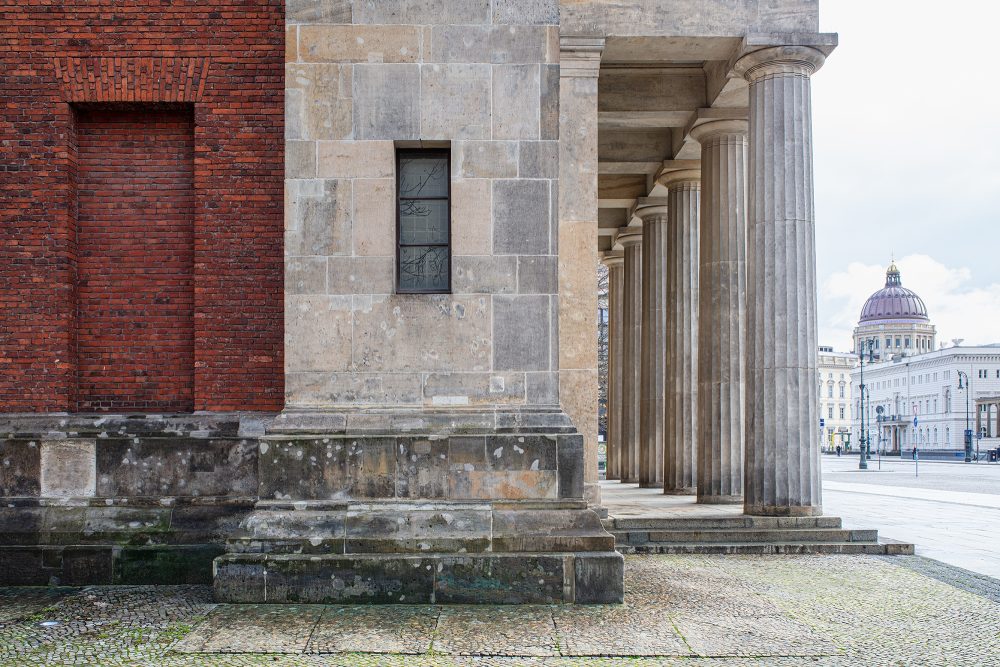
(680, 610)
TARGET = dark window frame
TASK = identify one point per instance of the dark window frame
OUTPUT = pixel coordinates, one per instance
(402, 154)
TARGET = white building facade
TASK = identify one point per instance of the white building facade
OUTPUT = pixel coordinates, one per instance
(835, 403)
(922, 405)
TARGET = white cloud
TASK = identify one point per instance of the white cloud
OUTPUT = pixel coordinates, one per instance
(956, 307)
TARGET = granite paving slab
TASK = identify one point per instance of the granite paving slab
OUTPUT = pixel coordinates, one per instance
(618, 630)
(526, 630)
(375, 629)
(254, 628)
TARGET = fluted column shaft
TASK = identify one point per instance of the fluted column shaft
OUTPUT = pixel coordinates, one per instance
(631, 348)
(616, 327)
(722, 310)
(653, 366)
(782, 469)
(680, 448)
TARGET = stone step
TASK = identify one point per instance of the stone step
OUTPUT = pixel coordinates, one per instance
(739, 536)
(883, 548)
(484, 578)
(736, 521)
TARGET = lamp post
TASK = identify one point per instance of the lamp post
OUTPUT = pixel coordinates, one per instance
(968, 429)
(863, 445)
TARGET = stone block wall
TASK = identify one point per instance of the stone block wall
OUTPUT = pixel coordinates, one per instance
(363, 79)
(221, 62)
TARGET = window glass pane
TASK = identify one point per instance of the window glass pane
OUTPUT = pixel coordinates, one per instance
(423, 268)
(423, 177)
(423, 221)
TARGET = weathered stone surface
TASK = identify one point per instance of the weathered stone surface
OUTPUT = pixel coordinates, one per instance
(422, 468)
(471, 217)
(317, 101)
(484, 159)
(321, 218)
(173, 565)
(516, 95)
(520, 217)
(360, 43)
(414, 332)
(327, 468)
(318, 11)
(305, 275)
(360, 275)
(521, 331)
(155, 467)
(441, 529)
(458, 44)
(355, 159)
(511, 44)
(300, 159)
(537, 274)
(489, 274)
(521, 12)
(538, 159)
(599, 578)
(542, 388)
(549, 101)
(570, 462)
(455, 101)
(317, 333)
(422, 11)
(500, 580)
(20, 468)
(323, 388)
(387, 101)
(68, 468)
(474, 388)
(374, 222)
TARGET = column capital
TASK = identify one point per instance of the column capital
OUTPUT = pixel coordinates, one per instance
(680, 178)
(719, 128)
(612, 258)
(779, 60)
(628, 236)
(580, 56)
(650, 207)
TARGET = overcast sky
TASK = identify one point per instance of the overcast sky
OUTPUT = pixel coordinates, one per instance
(907, 129)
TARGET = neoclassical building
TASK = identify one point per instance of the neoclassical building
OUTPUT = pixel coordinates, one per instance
(835, 404)
(894, 319)
(301, 298)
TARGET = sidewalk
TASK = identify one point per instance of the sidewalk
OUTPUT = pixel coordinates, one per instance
(679, 610)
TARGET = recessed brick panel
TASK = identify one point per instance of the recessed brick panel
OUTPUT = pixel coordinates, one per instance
(225, 61)
(135, 256)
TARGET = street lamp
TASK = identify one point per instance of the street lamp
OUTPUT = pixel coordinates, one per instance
(968, 427)
(865, 452)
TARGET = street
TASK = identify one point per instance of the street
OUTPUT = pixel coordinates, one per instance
(949, 511)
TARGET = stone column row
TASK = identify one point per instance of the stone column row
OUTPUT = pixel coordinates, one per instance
(728, 270)
(616, 325)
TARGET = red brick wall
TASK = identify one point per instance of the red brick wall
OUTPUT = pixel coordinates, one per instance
(135, 254)
(223, 59)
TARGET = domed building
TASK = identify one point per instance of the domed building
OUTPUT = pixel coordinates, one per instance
(895, 320)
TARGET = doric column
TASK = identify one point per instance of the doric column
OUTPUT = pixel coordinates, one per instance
(679, 459)
(721, 310)
(630, 238)
(782, 470)
(653, 355)
(615, 261)
(579, 65)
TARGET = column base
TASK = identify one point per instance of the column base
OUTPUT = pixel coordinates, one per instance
(650, 485)
(720, 500)
(634, 480)
(680, 492)
(783, 510)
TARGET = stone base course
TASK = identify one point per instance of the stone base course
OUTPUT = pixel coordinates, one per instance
(830, 611)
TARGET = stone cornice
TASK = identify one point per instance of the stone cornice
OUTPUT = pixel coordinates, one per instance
(580, 56)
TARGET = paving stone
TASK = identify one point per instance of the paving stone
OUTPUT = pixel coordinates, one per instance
(376, 629)
(242, 628)
(517, 630)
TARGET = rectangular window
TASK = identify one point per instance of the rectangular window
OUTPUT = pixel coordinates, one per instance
(829, 412)
(842, 412)
(423, 221)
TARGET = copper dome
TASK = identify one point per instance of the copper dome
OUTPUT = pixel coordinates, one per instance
(894, 302)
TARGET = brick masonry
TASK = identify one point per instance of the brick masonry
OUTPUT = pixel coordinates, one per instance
(221, 67)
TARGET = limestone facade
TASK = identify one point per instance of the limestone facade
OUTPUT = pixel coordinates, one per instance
(453, 432)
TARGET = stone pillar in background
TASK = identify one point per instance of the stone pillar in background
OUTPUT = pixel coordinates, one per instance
(653, 356)
(630, 238)
(679, 459)
(579, 65)
(615, 261)
(782, 471)
(722, 310)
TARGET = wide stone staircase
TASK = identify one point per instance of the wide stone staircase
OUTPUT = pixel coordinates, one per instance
(741, 534)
